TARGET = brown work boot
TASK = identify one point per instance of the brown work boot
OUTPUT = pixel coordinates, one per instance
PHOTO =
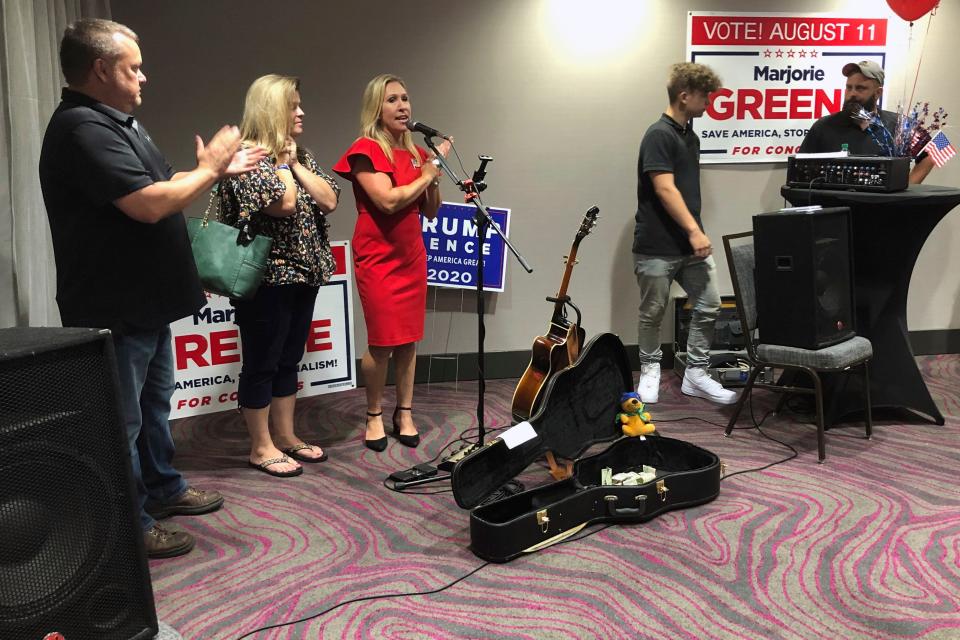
(163, 543)
(191, 502)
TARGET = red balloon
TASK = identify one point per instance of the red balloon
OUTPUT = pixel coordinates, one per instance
(910, 10)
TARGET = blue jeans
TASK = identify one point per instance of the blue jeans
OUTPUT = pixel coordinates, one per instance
(145, 366)
(697, 276)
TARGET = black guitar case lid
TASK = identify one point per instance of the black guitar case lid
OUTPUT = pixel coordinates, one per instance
(579, 409)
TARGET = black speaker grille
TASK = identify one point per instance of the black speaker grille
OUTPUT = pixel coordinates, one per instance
(830, 284)
(71, 557)
(803, 277)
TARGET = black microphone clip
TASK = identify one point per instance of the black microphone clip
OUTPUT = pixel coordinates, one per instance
(480, 174)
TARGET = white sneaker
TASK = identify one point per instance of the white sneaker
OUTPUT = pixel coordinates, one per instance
(697, 382)
(649, 385)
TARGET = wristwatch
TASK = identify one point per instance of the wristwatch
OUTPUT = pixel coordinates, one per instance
(283, 166)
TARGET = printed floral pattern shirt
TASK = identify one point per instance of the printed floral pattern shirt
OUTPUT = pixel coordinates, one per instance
(301, 245)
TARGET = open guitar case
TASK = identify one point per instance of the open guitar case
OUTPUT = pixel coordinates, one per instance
(579, 410)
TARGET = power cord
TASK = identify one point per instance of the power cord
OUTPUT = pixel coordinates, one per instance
(362, 599)
(459, 161)
(417, 493)
(756, 425)
(405, 595)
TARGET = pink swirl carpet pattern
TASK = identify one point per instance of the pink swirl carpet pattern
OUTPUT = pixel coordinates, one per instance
(866, 545)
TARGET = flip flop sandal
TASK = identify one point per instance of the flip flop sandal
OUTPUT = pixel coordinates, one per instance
(292, 452)
(265, 467)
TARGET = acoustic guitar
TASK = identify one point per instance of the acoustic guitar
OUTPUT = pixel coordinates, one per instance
(560, 346)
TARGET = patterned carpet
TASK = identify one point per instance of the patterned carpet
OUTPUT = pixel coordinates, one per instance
(864, 546)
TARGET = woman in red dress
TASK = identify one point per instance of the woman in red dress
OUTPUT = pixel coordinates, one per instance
(394, 183)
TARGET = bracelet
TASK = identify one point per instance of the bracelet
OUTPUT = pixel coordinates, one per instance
(283, 166)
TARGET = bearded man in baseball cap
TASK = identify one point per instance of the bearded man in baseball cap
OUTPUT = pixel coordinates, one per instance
(853, 125)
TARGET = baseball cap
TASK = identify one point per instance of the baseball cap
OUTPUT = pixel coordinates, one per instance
(868, 68)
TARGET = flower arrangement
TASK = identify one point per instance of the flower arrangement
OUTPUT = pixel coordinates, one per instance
(912, 134)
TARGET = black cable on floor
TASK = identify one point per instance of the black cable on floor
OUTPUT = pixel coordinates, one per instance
(417, 493)
(756, 425)
(362, 599)
(404, 595)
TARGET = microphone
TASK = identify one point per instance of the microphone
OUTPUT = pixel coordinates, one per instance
(415, 126)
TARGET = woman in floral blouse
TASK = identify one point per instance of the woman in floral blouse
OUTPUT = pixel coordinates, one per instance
(287, 198)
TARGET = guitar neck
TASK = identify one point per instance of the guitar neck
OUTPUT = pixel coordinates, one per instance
(567, 272)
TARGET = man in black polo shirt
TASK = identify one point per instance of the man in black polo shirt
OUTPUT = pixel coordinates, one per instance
(669, 243)
(863, 88)
(122, 252)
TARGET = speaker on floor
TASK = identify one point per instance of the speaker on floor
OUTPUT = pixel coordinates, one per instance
(72, 558)
(804, 277)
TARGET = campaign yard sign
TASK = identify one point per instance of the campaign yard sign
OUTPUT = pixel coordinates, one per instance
(206, 348)
(780, 73)
(451, 242)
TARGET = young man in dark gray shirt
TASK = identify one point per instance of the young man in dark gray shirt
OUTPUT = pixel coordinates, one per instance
(669, 243)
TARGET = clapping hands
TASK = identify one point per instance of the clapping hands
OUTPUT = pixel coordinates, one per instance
(245, 159)
(224, 156)
(288, 155)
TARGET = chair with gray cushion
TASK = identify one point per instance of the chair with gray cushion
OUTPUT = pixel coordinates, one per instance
(853, 352)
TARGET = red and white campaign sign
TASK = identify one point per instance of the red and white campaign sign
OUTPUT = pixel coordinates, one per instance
(780, 73)
(206, 348)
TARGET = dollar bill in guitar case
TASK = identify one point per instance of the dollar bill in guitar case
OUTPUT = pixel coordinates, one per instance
(579, 410)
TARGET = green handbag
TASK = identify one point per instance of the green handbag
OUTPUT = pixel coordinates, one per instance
(230, 261)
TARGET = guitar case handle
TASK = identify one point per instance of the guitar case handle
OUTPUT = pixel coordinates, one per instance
(613, 510)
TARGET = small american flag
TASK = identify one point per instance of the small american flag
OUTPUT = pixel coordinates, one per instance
(940, 149)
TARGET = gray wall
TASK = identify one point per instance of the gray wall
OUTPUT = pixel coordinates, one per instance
(563, 129)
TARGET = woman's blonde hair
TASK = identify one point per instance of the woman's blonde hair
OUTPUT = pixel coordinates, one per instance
(371, 108)
(266, 112)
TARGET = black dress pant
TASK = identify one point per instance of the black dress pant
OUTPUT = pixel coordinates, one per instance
(274, 326)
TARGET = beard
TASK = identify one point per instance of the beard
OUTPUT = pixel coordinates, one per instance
(852, 105)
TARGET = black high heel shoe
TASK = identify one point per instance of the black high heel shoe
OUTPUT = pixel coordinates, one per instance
(407, 440)
(380, 443)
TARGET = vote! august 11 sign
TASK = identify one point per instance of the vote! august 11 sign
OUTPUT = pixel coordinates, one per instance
(780, 73)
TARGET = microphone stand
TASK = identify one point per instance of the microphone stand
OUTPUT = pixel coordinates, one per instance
(471, 189)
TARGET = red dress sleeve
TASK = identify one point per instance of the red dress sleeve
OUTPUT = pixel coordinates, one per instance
(363, 147)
